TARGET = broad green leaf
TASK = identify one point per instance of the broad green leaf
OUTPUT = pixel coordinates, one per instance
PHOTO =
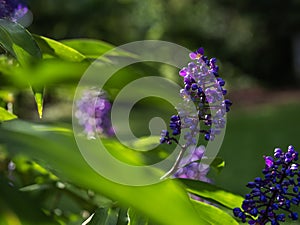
(93, 48)
(5, 115)
(18, 42)
(165, 203)
(212, 192)
(213, 215)
(105, 216)
(89, 47)
(57, 49)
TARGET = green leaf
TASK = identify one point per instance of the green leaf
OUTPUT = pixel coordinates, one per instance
(105, 216)
(94, 48)
(212, 192)
(57, 49)
(17, 208)
(55, 147)
(213, 215)
(136, 219)
(38, 96)
(123, 217)
(5, 115)
(89, 47)
(18, 42)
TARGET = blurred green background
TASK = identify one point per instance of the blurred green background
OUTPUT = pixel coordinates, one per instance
(259, 39)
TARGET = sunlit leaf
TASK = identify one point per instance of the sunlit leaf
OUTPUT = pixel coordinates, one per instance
(89, 47)
(5, 115)
(38, 96)
(92, 48)
(212, 192)
(213, 215)
(57, 49)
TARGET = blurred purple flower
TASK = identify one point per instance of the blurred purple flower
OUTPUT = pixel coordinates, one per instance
(190, 166)
(12, 9)
(93, 113)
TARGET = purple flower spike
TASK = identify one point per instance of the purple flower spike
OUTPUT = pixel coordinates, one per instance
(204, 88)
(272, 197)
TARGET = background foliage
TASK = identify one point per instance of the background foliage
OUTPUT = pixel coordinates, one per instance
(250, 38)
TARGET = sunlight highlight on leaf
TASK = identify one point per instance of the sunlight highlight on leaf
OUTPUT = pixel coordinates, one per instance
(5, 115)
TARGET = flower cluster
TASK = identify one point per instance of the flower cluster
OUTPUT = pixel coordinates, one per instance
(93, 113)
(12, 9)
(205, 89)
(272, 197)
(190, 166)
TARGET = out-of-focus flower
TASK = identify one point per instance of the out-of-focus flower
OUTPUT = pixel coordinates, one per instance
(205, 89)
(272, 197)
(93, 113)
(12, 9)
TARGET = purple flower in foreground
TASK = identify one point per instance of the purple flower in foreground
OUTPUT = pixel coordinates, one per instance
(93, 113)
(190, 166)
(205, 89)
(12, 10)
(271, 198)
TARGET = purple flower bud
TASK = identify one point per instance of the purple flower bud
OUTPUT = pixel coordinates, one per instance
(193, 55)
(183, 72)
(269, 161)
(200, 51)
